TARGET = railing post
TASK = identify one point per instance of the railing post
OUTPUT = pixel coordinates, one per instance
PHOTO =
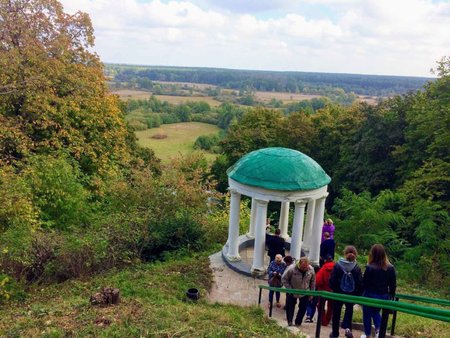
(394, 319)
(321, 302)
(260, 294)
(384, 322)
(271, 304)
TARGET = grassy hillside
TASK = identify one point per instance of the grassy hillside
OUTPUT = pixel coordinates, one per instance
(153, 304)
(180, 138)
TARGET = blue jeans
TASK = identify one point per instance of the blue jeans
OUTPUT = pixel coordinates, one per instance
(277, 296)
(311, 308)
(372, 313)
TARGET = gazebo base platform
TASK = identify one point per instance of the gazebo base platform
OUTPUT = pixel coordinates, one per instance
(244, 265)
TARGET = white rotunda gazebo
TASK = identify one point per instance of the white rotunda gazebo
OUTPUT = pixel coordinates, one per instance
(282, 175)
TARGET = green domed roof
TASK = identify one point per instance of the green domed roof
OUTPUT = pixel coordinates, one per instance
(279, 169)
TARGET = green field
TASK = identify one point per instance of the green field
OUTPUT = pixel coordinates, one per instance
(180, 139)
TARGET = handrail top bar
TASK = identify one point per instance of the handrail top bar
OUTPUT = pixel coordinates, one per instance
(438, 301)
(419, 310)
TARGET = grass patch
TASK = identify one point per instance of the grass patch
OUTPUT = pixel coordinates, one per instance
(180, 139)
(153, 304)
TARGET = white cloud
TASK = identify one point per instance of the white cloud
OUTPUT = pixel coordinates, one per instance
(403, 37)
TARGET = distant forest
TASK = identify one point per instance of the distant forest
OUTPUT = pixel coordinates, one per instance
(293, 82)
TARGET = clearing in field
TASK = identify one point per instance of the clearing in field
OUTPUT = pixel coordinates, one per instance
(180, 139)
(285, 97)
(128, 94)
(183, 99)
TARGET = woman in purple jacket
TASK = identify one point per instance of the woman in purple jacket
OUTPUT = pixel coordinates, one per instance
(328, 226)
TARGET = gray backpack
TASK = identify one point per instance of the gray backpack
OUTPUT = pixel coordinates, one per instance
(347, 281)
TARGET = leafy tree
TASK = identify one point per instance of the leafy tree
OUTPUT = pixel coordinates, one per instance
(379, 216)
(258, 128)
(227, 113)
(428, 122)
(53, 93)
(366, 162)
(298, 132)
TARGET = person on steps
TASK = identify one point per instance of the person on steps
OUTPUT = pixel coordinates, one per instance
(276, 245)
(329, 227)
(275, 271)
(312, 304)
(326, 248)
(346, 278)
(379, 282)
(300, 276)
(323, 283)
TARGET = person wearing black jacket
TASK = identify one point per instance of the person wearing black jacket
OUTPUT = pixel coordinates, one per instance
(380, 282)
(346, 264)
(326, 248)
(276, 245)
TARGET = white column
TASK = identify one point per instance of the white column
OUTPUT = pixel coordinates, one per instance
(233, 227)
(297, 229)
(284, 219)
(251, 230)
(314, 253)
(309, 225)
(258, 266)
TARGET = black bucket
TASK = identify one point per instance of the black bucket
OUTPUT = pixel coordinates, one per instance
(193, 294)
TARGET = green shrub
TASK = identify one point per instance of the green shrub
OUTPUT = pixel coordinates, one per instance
(16, 201)
(172, 233)
(4, 294)
(10, 289)
(58, 192)
(207, 142)
(153, 121)
(138, 124)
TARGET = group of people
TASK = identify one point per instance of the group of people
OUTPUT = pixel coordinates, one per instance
(344, 277)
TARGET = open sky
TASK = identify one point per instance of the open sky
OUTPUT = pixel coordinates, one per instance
(389, 37)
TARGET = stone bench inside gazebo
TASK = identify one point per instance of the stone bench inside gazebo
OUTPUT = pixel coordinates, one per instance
(281, 175)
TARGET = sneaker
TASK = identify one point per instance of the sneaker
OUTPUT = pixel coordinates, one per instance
(363, 336)
(290, 324)
(377, 332)
(308, 320)
(348, 333)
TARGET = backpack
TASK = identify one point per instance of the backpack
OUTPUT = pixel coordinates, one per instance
(347, 282)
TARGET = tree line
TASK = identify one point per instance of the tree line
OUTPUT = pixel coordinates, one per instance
(292, 82)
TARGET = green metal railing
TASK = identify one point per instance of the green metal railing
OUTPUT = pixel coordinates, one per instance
(385, 305)
(437, 301)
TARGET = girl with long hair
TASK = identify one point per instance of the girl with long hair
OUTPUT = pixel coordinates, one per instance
(379, 282)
